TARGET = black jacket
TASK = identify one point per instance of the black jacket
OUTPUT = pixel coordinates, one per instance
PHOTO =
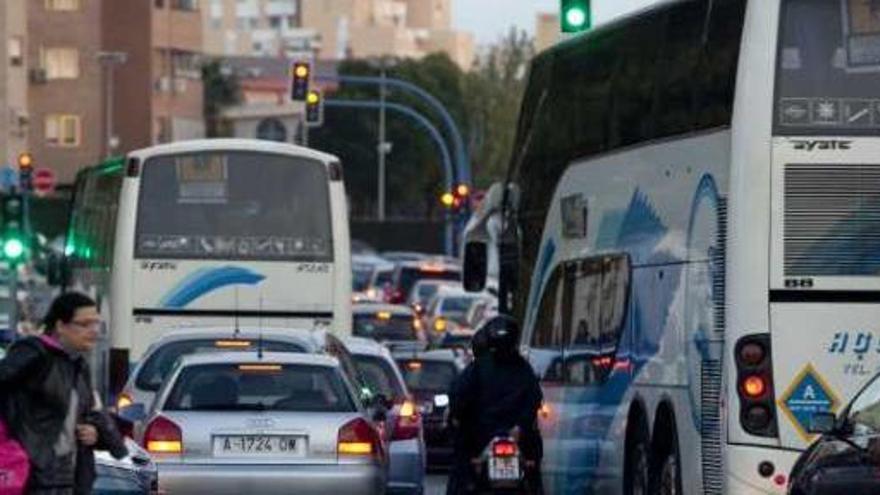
(492, 396)
(35, 384)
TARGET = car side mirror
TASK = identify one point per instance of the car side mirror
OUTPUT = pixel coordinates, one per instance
(476, 260)
(822, 423)
(133, 413)
(127, 417)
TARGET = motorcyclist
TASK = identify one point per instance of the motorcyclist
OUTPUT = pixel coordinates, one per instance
(497, 393)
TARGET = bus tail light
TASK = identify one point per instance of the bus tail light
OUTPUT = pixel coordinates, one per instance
(754, 371)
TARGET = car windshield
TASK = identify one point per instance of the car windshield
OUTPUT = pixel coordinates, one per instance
(457, 304)
(422, 376)
(259, 387)
(159, 363)
(385, 326)
(380, 376)
(360, 277)
(864, 414)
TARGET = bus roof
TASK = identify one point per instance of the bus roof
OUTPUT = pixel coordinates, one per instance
(233, 145)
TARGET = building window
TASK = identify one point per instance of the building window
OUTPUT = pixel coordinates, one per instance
(160, 4)
(63, 130)
(16, 51)
(60, 63)
(63, 5)
(190, 5)
(275, 22)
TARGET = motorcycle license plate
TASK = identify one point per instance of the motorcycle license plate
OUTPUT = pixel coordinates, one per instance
(503, 468)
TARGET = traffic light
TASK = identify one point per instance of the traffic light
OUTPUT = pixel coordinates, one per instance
(314, 109)
(13, 228)
(301, 72)
(575, 16)
(447, 199)
(25, 171)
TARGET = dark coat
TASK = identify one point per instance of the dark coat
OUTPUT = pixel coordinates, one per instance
(35, 383)
(490, 397)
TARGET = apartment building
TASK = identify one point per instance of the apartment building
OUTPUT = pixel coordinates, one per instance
(109, 76)
(14, 117)
(333, 29)
(547, 31)
(265, 28)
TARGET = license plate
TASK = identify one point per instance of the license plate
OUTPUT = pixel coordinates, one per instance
(503, 468)
(260, 445)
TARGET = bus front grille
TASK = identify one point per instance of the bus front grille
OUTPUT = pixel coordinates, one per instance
(832, 220)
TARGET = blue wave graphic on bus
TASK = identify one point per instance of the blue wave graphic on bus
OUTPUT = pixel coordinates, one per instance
(208, 280)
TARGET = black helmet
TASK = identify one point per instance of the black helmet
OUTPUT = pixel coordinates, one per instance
(502, 334)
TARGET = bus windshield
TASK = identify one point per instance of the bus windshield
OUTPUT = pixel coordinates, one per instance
(234, 205)
(828, 68)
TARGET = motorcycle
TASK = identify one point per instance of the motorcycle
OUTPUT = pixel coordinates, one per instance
(500, 469)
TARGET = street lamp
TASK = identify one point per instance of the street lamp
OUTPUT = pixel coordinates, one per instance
(109, 60)
(382, 147)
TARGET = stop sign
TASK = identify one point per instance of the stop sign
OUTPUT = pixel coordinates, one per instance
(44, 181)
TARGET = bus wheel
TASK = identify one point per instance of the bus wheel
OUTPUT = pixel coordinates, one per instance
(637, 477)
(669, 477)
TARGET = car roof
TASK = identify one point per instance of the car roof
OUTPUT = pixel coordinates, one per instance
(366, 347)
(445, 355)
(370, 307)
(427, 263)
(312, 338)
(255, 357)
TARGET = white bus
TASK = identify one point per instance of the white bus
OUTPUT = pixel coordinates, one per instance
(695, 203)
(210, 232)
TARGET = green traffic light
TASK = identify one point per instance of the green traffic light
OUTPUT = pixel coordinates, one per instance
(13, 249)
(575, 15)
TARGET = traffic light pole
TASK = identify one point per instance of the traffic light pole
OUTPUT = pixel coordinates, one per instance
(445, 156)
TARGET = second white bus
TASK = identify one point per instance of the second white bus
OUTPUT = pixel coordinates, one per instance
(210, 232)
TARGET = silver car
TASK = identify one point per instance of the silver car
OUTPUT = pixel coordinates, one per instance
(253, 422)
(159, 359)
(403, 430)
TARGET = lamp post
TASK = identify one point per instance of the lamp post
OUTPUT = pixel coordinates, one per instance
(383, 147)
(109, 60)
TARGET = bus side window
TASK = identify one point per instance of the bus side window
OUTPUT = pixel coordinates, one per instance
(547, 333)
(600, 294)
(718, 65)
(632, 115)
(679, 58)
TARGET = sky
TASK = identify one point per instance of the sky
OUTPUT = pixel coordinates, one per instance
(490, 19)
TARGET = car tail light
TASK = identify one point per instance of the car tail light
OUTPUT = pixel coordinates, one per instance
(504, 448)
(408, 424)
(755, 385)
(358, 438)
(163, 436)
(396, 297)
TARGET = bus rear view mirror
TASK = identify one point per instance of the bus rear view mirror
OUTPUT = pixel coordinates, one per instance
(476, 259)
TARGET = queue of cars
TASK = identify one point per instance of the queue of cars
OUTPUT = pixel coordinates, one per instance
(228, 409)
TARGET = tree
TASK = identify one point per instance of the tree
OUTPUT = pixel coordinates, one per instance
(493, 92)
(221, 90)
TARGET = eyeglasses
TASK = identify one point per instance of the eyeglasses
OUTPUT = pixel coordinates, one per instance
(87, 324)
